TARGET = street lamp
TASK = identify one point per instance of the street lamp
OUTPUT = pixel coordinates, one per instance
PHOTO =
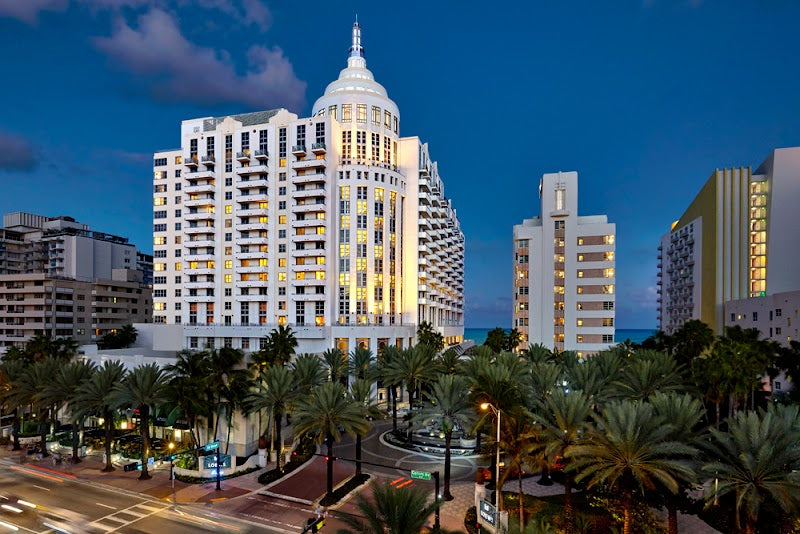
(172, 470)
(486, 406)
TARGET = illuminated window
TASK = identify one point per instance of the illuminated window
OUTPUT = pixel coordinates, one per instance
(228, 278)
(159, 266)
(347, 112)
(159, 306)
(228, 209)
(178, 266)
(300, 276)
(320, 275)
(229, 264)
(264, 219)
(281, 262)
(160, 240)
(580, 274)
(281, 219)
(282, 277)
(159, 201)
(262, 262)
(282, 320)
(608, 289)
(608, 239)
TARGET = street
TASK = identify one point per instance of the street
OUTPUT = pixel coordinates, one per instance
(98, 508)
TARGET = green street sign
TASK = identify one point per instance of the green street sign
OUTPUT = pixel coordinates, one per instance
(211, 446)
(421, 475)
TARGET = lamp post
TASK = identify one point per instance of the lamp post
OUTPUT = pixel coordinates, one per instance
(486, 406)
(172, 470)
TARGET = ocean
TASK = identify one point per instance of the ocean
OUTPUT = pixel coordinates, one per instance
(478, 335)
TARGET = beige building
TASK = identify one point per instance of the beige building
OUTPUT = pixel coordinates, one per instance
(564, 279)
(33, 304)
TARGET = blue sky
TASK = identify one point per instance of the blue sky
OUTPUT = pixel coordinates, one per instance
(644, 98)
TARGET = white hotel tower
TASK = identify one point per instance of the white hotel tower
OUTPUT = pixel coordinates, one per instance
(332, 224)
(564, 272)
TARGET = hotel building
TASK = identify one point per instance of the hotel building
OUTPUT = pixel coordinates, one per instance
(564, 272)
(332, 224)
(733, 242)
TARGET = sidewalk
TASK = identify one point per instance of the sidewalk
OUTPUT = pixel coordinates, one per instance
(159, 486)
(308, 483)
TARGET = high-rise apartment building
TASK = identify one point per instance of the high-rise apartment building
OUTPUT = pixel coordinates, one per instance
(564, 272)
(331, 224)
(58, 277)
(733, 242)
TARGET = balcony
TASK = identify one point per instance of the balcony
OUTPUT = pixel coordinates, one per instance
(200, 216)
(200, 188)
(243, 156)
(259, 197)
(308, 223)
(252, 241)
(200, 174)
(199, 202)
(194, 230)
(308, 178)
(309, 163)
(318, 148)
(252, 255)
(308, 238)
(198, 257)
(251, 269)
(309, 267)
(190, 161)
(262, 155)
(200, 285)
(308, 253)
(308, 208)
(209, 161)
(253, 283)
(259, 168)
(248, 227)
(310, 193)
(256, 212)
(250, 184)
(200, 271)
(200, 243)
(299, 150)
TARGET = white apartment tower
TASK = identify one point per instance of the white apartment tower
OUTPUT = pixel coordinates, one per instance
(564, 272)
(331, 224)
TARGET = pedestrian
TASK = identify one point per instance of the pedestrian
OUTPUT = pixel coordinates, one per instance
(318, 512)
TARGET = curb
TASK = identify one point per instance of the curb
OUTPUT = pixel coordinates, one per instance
(427, 455)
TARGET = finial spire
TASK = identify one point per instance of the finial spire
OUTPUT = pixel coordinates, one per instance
(356, 56)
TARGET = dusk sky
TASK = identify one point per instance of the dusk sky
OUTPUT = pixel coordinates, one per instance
(644, 98)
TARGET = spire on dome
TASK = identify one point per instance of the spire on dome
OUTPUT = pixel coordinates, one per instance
(356, 56)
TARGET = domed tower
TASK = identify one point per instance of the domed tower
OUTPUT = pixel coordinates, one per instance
(370, 194)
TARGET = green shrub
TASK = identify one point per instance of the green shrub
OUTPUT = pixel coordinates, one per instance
(344, 489)
(471, 520)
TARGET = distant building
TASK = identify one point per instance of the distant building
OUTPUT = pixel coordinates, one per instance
(61, 278)
(564, 279)
(775, 316)
(736, 240)
(332, 224)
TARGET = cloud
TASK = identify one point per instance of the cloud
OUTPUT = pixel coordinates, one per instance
(16, 153)
(180, 70)
(28, 10)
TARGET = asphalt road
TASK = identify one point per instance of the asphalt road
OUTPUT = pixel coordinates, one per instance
(98, 508)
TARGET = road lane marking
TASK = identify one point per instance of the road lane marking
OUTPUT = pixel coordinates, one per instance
(105, 505)
(40, 487)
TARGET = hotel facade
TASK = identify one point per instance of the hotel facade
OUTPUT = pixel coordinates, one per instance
(735, 241)
(332, 224)
(564, 279)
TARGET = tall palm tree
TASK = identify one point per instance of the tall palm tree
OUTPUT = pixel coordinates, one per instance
(387, 379)
(414, 367)
(95, 397)
(336, 363)
(537, 353)
(233, 397)
(282, 343)
(323, 413)
(362, 397)
(685, 414)
(276, 395)
(448, 362)
(11, 370)
(144, 388)
(564, 418)
(518, 441)
(223, 365)
(447, 405)
(628, 451)
(756, 460)
(67, 382)
(390, 511)
(186, 393)
(308, 373)
(28, 389)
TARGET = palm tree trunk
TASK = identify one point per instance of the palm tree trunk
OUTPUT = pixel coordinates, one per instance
(144, 421)
(448, 436)
(568, 521)
(108, 420)
(329, 482)
(358, 454)
(75, 458)
(229, 417)
(16, 424)
(627, 506)
(43, 437)
(672, 516)
(393, 390)
(521, 503)
(716, 405)
(279, 441)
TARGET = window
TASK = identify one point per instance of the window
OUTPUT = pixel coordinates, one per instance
(347, 112)
(160, 214)
(778, 312)
(608, 305)
(159, 162)
(159, 227)
(332, 111)
(282, 147)
(387, 119)
(376, 115)
(361, 113)
(608, 338)
(778, 330)
(755, 316)
(560, 199)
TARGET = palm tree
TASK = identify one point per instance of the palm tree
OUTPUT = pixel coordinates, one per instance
(684, 413)
(649, 373)
(276, 394)
(11, 370)
(426, 335)
(629, 450)
(448, 362)
(360, 362)
(95, 397)
(362, 397)
(387, 379)
(448, 406)
(67, 383)
(336, 362)
(223, 364)
(233, 398)
(564, 418)
(282, 343)
(28, 389)
(390, 511)
(537, 353)
(757, 460)
(325, 414)
(414, 367)
(308, 373)
(144, 388)
(186, 393)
